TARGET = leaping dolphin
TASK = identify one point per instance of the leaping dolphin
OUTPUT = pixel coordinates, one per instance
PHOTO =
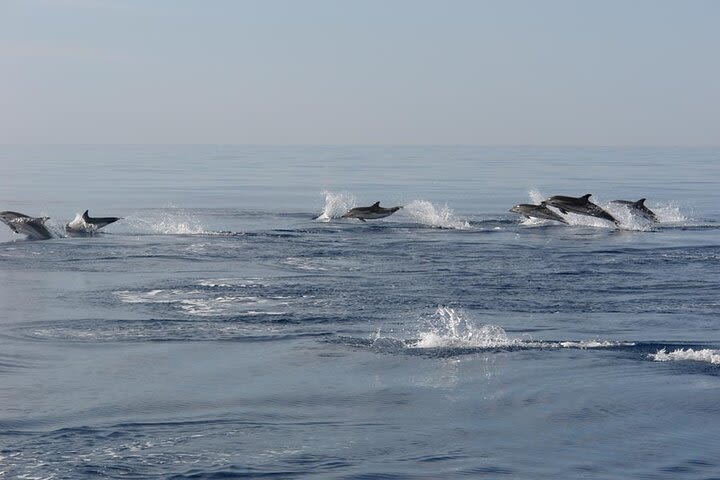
(580, 205)
(638, 207)
(34, 228)
(86, 225)
(371, 212)
(528, 210)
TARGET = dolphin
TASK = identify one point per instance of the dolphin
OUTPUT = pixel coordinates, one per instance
(528, 210)
(371, 212)
(86, 225)
(34, 228)
(638, 207)
(580, 205)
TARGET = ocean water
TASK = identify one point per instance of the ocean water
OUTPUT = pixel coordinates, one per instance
(220, 331)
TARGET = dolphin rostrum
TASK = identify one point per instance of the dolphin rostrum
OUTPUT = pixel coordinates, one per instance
(528, 210)
(86, 225)
(580, 205)
(371, 212)
(638, 207)
(34, 228)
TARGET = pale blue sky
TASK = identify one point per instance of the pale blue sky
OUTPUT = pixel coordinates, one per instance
(360, 72)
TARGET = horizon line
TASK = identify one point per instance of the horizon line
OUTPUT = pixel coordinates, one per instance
(464, 145)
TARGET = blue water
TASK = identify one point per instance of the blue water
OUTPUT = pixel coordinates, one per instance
(218, 331)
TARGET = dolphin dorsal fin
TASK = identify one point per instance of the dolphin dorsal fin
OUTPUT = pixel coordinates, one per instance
(375, 205)
(586, 197)
(86, 216)
(640, 203)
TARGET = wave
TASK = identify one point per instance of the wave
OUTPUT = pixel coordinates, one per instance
(686, 355)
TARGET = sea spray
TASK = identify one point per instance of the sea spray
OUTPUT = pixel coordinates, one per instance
(668, 213)
(167, 222)
(451, 328)
(426, 213)
(336, 204)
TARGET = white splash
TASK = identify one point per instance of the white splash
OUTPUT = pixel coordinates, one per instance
(450, 328)
(426, 213)
(668, 213)
(167, 222)
(336, 204)
(682, 354)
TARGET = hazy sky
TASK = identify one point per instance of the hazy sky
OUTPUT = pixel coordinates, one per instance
(603, 72)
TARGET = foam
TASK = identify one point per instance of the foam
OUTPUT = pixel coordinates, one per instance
(208, 302)
(687, 355)
(583, 344)
(230, 283)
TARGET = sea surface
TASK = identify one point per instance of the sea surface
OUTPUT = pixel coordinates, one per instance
(220, 330)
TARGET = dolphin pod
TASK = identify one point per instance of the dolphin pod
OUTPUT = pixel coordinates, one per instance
(85, 225)
(581, 206)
